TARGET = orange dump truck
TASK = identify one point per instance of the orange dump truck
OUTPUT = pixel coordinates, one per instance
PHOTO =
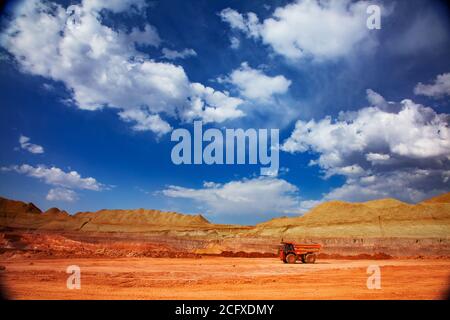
(291, 252)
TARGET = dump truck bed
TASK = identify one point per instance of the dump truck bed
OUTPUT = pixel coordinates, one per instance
(301, 248)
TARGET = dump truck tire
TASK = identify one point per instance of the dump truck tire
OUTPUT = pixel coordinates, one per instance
(310, 258)
(291, 258)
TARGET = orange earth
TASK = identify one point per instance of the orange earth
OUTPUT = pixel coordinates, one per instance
(149, 254)
(223, 278)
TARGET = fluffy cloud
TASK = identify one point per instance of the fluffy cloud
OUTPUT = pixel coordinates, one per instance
(101, 66)
(115, 6)
(411, 185)
(256, 196)
(61, 194)
(254, 84)
(211, 105)
(25, 144)
(173, 54)
(308, 28)
(377, 158)
(143, 121)
(438, 89)
(57, 177)
(415, 132)
(149, 36)
(235, 43)
(249, 24)
(388, 149)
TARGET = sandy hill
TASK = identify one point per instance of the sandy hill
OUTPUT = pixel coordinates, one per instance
(385, 218)
(56, 212)
(443, 198)
(378, 218)
(139, 220)
(383, 203)
(17, 214)
(13, 206)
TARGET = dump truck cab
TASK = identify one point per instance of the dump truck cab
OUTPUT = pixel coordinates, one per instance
(291, 252)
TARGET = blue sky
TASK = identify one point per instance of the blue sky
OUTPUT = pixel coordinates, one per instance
(90, 93)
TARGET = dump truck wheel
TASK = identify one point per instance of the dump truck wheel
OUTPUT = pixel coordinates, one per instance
(310, 258)
(291, 258)
(303, 258)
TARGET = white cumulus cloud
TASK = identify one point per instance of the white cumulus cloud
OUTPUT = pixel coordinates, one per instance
(25, 144)
(173, 54)
(57, 177)
(415, 132)
(212, 105)
(143, 121)
(254, 84)
(438, 89)
(309, 28)
(257, 196)
(389, 149)
(411, 185)
(99, 65)
(61, 194)
(235, 43)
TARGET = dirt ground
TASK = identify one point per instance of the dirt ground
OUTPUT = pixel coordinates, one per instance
(223, 278)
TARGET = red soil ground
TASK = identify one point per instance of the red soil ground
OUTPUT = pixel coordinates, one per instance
(223, 278)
